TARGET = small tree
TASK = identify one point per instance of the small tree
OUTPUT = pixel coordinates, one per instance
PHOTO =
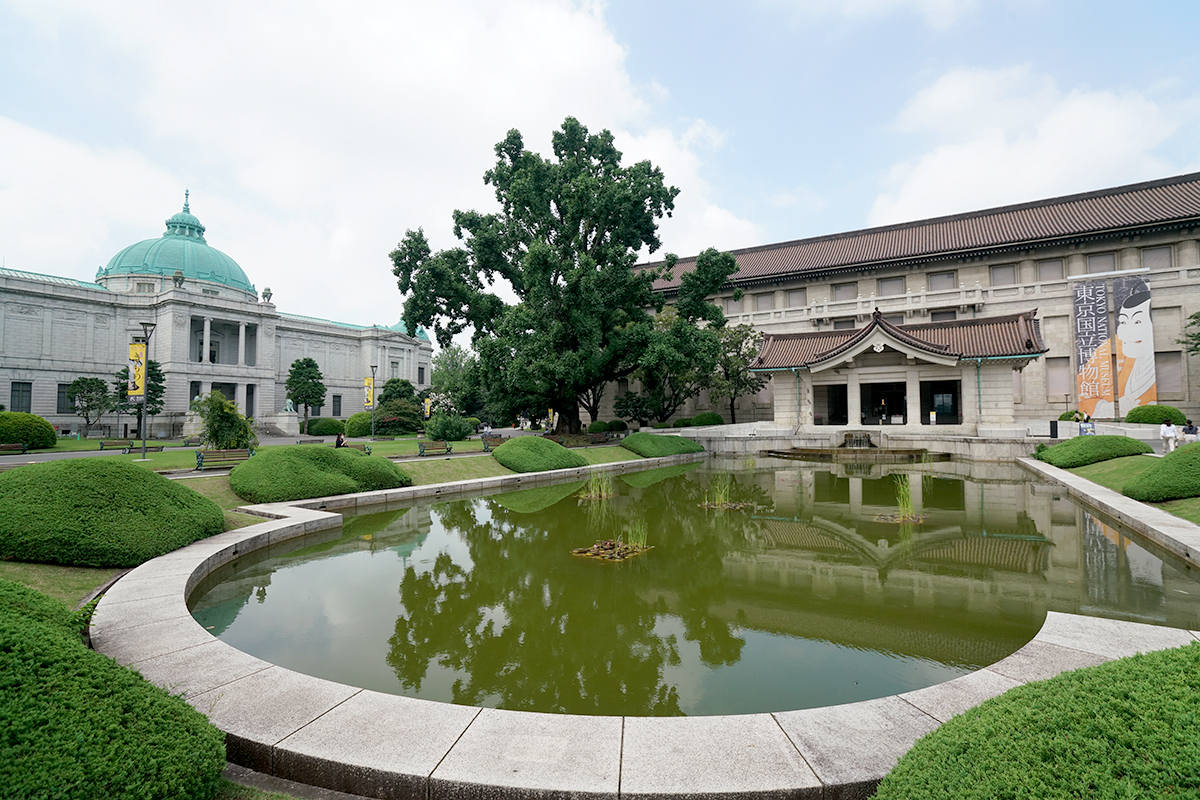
(305, 385)
(397, 389)
(222, 426)
(91, 400)
(732, 377)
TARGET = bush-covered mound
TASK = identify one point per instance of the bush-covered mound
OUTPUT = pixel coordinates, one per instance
(1172, 477)
(74, 723)
(326, 426)
(650, 445)
(17, 427)
(1123, 729)
(1084, 450)
(98, 512)
(707, 418)
(535, 454)
(1154, 415)
(305, 471)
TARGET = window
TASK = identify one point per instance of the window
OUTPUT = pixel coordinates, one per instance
(145, 288)
(1058, 376)
(65, 406)
(894, 319)
(1004, 275)
(337, 405)
(395, 369)
(1102, 262)
(733, 306)
(1168, 372)
(797, 298)
(845, 291)
(210, 291)
(420, 375)
(1156, 258)
(942, 281)
(1050, 270)
(764, 302)
(20, 396)
(622, 387)
(843, 324)
(891, 286)
(946, 315)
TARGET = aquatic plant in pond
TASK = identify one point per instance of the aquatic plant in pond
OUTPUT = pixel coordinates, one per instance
(598, 486)
(717, 496)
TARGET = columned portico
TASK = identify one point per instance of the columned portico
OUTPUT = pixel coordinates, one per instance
(241, 362)
(207, 341)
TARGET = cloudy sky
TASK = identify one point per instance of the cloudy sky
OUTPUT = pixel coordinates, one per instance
(312, 135)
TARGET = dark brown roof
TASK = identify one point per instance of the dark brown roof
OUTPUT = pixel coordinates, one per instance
(1011, 335)
(1136, 206)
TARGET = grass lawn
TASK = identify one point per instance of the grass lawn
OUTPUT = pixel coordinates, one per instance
(1116, 472)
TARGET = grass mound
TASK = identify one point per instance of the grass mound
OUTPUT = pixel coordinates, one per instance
(651, 445)
(76, 724)
(535, 454)
(1172, 477)
(305, 471)
(98, 512)
(1154, 415)
(1127, 728)
(1083, 450)
(17, 427)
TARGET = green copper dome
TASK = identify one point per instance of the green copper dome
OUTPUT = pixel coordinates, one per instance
(181, 248)
(400, 327)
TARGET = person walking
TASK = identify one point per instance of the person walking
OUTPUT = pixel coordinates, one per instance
(1167, 433)
(1190, 433)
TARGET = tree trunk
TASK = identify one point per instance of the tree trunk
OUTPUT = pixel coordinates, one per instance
(568, 420)
(732, 411)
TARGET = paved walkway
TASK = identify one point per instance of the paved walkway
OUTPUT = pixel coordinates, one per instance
(367, 743)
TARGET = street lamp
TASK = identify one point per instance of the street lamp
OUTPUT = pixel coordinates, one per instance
(374, 399)
(147, 332)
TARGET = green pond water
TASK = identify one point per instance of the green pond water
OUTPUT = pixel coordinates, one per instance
(824, 587)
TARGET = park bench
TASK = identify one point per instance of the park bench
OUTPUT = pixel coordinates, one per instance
(191, 442)
(119, 444)
(220, 458)
(434, 448)
(134, 447)
(491, 442)
(310, 441)
(356, 446)
(15, 447)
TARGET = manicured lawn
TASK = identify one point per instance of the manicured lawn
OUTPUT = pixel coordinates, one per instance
(1116, 472)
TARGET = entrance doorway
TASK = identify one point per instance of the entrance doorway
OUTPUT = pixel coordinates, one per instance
(944, 399)
(884, 403)
(830, 406)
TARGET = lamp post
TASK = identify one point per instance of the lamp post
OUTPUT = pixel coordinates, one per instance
(147, 332)
(374, 399)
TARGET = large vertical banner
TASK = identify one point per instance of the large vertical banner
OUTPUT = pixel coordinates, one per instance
(1093, 349)
(1136, 382)
(136, 388)
(368, 392)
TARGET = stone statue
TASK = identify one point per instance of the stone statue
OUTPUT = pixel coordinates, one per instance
(266, 294)
(289, 407)
(178, 278)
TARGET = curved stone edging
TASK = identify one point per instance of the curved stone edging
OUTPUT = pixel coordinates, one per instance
(379, 745)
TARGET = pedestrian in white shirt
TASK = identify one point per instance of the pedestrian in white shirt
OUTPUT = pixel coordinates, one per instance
(1166, 432)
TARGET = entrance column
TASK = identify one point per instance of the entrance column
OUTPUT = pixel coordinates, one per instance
(204, 346)
(804, 385)
(241, 344)
(205, 388)
(853, 399)
(912, 392)
(239, 395)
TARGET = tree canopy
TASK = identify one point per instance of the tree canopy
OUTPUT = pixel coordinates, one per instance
(91, 400)
(739, 344)
(566, 240)
(305, 385)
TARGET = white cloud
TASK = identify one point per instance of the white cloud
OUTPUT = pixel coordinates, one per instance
(937, 14)
(1008, 136)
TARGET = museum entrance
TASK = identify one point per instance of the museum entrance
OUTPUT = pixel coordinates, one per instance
(884, 403)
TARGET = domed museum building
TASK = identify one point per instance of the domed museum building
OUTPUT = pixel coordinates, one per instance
(212, 330)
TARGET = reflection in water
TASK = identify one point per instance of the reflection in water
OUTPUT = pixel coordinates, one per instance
(828, 588)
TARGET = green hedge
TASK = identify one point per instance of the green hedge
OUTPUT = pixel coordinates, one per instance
(98, 512)
(1154, 415)
(686, 422)
(535, 454)
(448, 427)
(1172, 477)
(618, 425)
(1127, 728)
(326, 426)
(74, 723)
(650, 445)
(707, 418)
(17, 427)
(304, 471)
(1084, 450)
(599, 426)
(359, 425)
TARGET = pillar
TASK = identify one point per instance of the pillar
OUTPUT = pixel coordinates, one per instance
(205, 343)
(239, 394)
(912, 397)
(853, 399)
(805, 387)
(241, 344)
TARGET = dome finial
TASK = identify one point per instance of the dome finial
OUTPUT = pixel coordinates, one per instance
(186, 192)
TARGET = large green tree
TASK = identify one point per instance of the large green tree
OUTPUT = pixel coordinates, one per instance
(305, 385)
(91, 400)
(739, 344)
(456, 375)
(565, 241)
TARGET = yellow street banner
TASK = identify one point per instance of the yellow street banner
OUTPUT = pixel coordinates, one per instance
(368, 392)
(428, 405)
(137, 370)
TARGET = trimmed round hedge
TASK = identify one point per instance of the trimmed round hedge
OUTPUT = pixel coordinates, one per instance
(1154, 415)
(76, 724)
(535, 454)
(651, 445)
(98, 512)
(302, 472)
(359, 425)
(705, 418)
(1172, 477)
(17, 427)
(1123, 729)
(325, 426)
(1084, 450)
(599, 426)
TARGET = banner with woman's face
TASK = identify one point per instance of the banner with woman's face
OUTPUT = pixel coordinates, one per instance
(1093, 349)
(1136, 382)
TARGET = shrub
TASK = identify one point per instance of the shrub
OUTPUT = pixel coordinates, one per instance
(1122, 729)
(1172, 477)
(450, 427)
(1069, 416)
(98, 512)
(707, 418)
(650, 445)
(1155, 415)
(661, 425)
(359, 424)
(599, 426)
(223, 427)
(686, 422)
(305, 471)
(475, 422)
(76, 724)
(1083, 450)
(327, 426)
(618, 425)
(17, 427)
(396, 418)
(535, 454)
